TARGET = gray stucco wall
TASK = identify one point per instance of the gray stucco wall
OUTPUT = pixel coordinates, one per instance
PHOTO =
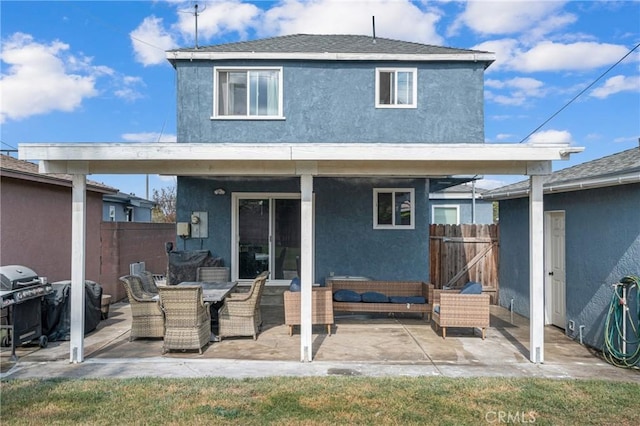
(335, 102)
(484, 210)
(345, 241)
(602, 244)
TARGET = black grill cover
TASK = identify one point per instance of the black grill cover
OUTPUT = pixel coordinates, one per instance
(184, 264)
(56, 310)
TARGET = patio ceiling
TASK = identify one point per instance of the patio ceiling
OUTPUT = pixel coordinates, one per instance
(273, 159)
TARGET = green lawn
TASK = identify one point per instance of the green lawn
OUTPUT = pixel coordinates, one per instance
(319, 400)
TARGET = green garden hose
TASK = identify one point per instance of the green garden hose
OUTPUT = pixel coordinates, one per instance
(614, 334)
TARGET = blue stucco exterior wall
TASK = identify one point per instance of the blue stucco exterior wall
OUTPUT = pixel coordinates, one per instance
(328, 102)
(602, 245)
(140, 214)
(484, 210)
(345, 241)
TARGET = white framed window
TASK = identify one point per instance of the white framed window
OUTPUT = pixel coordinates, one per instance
(396, 87)
(445, 214)
(247, 93)
(112, 213)
(393, 208)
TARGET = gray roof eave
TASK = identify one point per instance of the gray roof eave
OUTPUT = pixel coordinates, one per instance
(568, 186)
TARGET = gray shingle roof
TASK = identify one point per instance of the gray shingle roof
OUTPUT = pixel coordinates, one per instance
(611, 166)
(329, 43)
(25, 169)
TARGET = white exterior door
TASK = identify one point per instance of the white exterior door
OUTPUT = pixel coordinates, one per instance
(555, 268)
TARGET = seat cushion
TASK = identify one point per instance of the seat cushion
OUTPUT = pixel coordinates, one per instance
(374, 297)
(407, 299)
(346, 296)
(471, 288)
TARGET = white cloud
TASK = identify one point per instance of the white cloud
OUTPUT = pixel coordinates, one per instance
(505, 137)
(149, 137)
(617, 84)
(128, 88)
(506, 51)
(150, 41)
(551, 136)
(398, 19)
(520, 90)
(514, 16)
(38, 79)
(550, 56)
(218, 18)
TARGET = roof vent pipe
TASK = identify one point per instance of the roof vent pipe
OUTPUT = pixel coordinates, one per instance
(373, 22)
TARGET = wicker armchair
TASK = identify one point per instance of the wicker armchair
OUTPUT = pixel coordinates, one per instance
(240, 313)
(212, 274)
(452, 309)
(147, 319)
(187, 318)
(321, 308)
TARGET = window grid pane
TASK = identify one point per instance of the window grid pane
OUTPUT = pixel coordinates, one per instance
(248, 93)
(385, 208)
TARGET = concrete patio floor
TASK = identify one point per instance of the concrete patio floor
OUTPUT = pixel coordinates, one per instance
(375, 345)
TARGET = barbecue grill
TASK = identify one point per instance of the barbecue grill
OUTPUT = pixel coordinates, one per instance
(21, 296)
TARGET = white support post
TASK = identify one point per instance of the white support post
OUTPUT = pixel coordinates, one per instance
(536, 270)
(78, 239)
(306, 262)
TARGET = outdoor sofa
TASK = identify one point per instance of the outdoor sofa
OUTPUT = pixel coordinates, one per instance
(381, 296)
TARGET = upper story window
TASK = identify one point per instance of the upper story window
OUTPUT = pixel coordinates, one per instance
(248, 93)
(396, 87)
(393, 208)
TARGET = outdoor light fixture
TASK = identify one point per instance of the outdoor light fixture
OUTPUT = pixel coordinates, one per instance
(220, 191)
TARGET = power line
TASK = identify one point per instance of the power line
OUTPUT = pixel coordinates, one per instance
(580, 94)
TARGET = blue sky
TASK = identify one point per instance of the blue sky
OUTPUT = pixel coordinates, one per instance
(95, 71)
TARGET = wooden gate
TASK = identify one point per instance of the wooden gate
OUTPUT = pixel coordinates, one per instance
(463, 253)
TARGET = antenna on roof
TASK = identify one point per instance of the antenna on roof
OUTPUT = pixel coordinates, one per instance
(373, 21)
(196, 14)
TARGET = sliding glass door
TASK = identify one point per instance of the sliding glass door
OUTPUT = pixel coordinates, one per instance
(267, 235)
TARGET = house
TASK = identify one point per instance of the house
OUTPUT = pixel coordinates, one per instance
(121, 207)
(318, 147)
(307, 89)
(459, 204)
(592, 241)
(36, 218)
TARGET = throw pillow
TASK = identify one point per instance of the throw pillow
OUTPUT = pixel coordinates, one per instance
(295, 285)
(472, 288)
(374, 297)
(346, 296)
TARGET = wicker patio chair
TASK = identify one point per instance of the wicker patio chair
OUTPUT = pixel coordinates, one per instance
(187, 318)
(240, 313)
(147, 319)
(321, 308)
(452, 309)
(212, 274)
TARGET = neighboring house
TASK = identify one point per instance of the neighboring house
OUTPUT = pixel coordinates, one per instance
(35, 220)
(592, 234)
(305, 92)
(318, 147)
(460, 204)
(123, 207)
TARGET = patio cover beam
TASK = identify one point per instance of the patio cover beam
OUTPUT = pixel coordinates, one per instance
(401, 160)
